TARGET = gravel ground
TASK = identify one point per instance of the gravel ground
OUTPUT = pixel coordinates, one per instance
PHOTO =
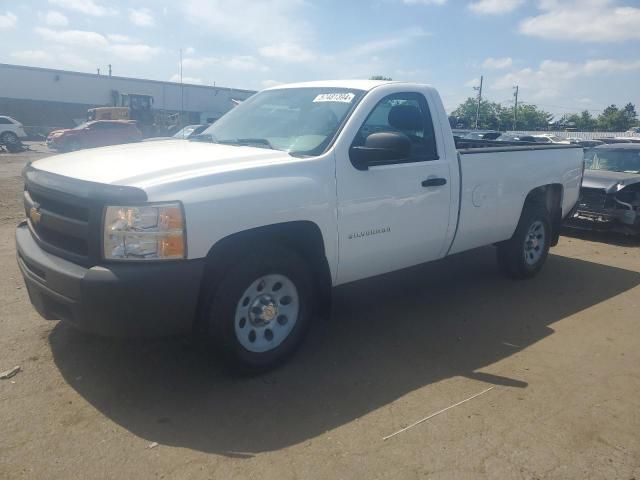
(562, 352)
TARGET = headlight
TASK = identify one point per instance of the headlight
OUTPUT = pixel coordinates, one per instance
(153, 232)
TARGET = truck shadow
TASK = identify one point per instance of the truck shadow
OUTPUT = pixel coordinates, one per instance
(387, 337)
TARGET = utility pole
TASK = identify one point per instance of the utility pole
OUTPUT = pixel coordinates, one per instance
(479, 89)
(181, 91)
(515, 108)
(109, 69)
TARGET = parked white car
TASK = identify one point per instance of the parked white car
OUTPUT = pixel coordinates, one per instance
(11, 132)
(240, 235)
(549, 138)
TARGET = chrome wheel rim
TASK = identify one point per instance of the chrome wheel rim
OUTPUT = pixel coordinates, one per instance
(266, 313)
(534, 243)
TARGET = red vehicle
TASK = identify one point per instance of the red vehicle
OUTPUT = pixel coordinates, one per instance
(94, 134)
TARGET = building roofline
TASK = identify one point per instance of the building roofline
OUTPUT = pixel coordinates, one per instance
(94, 75)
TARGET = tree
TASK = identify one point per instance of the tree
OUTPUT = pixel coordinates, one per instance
(494, 116)
(380, 77)
(612, 119)
(630, 114)
(586, 122)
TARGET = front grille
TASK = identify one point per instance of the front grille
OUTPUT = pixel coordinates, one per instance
(70, 210)
(61, 224)
(595, 199)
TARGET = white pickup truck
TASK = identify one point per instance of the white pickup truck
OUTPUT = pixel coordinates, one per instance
(240, 234)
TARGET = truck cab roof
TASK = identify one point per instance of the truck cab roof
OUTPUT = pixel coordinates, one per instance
(364, 85)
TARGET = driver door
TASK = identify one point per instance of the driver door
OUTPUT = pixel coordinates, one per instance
(394, 215)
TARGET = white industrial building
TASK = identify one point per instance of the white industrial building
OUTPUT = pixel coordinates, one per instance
(43, 97)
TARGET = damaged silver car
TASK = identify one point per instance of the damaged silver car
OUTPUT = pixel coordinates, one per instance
(610, 194)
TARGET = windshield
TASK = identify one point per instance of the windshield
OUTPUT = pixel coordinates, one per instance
(82, 125)
(300, 121)
(614, 160)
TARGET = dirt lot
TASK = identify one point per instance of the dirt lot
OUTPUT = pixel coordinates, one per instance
(562, 352)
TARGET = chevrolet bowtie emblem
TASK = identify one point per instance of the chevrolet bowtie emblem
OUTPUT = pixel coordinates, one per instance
(35, 215)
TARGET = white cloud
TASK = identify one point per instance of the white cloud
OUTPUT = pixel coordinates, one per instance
(494, 7)
(51, 58)
(424, 2)
(268, 22)
(134, 52)
(54, 19)
(497, 63)
(80, 38)
(8, 20)
(141, 17)
(89, 44)
(553, 78)
(474, 82)
(28, 56)
(88, 7)
(584, 21)
(193, 80)
(270, 83)
(117, 38)
(403, 37)
(238, 62)
(286, 52)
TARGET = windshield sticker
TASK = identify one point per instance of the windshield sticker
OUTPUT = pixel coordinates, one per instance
(334, 97)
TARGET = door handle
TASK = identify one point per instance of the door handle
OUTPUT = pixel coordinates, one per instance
(434, 182)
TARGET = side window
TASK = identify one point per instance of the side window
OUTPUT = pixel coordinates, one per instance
(4, 121)
(407, 113)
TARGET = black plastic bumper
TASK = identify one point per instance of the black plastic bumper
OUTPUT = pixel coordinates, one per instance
(117, 299)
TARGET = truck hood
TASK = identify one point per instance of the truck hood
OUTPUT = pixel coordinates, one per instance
(152, 163)
(609, 181)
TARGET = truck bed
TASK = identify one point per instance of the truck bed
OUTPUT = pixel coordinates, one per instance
(494, 182)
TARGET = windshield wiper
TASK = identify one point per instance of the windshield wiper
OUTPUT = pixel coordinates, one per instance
(247, 142)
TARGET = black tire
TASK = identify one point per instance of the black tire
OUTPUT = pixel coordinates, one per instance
(14, 147)
(11, 141)
(512, 254)
(225, 295)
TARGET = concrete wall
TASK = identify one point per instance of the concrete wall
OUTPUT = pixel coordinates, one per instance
(63, 87)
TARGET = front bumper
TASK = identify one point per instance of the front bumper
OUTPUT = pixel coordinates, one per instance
(624, 221)
(117, 299)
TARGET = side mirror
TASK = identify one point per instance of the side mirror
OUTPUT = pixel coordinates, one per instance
(380, 148)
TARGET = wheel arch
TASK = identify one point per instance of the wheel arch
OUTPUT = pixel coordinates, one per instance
(550, 197)
(302, 236)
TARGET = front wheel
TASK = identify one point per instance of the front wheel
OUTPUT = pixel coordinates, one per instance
(261, 309)
(525, 253)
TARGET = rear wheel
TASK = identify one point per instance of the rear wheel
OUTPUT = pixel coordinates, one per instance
(525, 253)
(260, 309)
(11, 141)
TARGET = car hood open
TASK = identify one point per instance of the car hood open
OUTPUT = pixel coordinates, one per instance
(611, 182)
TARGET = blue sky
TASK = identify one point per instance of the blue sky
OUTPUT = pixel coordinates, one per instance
(565, 55)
